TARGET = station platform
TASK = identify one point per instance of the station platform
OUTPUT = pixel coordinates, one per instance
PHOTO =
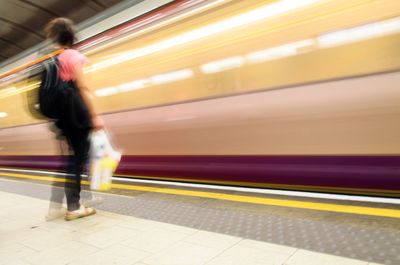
(150, 224)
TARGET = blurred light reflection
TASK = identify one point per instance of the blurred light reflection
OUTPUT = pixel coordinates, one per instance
(286, 50)
(264, 12)
(222, 65)
(10, 91)
(141, 83)
(171, 76)
(359, 33)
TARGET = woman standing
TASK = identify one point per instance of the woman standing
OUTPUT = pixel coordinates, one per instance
(75, 124)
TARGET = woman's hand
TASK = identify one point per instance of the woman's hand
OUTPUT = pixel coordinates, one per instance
(98, 123)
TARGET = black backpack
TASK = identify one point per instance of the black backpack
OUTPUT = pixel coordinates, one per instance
(50, 86)
(60, 100)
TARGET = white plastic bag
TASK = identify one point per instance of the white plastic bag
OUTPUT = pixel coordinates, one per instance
(103, 161)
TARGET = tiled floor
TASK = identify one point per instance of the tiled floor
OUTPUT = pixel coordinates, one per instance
(109, 238)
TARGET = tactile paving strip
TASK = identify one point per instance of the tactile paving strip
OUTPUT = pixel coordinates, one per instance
(356, 240)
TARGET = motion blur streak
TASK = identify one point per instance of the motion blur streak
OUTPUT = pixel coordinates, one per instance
(172, 76)
(157, 25)
(360, 33)
(7, 92)
(138, 84)
(290, 49)
(222, 65)
(264, 12)
(302, 100)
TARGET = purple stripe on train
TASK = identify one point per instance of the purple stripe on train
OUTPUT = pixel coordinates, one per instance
(361, 172)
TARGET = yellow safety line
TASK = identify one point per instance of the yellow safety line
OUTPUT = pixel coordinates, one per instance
(32, 177)
(330, 207)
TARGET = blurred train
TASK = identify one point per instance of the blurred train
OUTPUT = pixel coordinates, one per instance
(291, 94)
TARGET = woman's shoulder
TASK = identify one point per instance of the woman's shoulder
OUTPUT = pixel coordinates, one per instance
(73, 55)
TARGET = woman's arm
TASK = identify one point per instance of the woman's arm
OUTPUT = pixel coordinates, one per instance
(87, 98)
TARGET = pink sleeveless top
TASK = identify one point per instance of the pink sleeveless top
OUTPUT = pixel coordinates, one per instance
(69, 59)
